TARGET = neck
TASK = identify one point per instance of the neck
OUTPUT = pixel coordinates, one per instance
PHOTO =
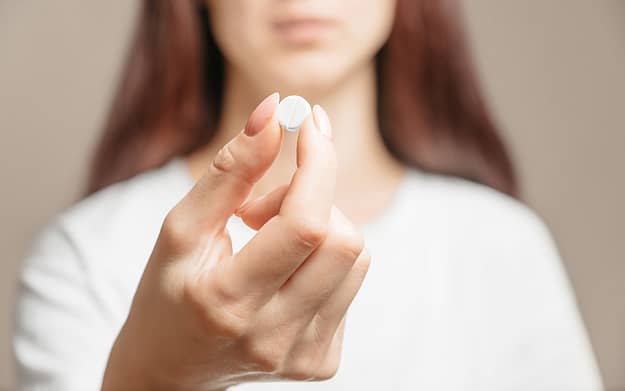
(351, 106)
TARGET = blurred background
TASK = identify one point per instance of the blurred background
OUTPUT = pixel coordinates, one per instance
(553, 70)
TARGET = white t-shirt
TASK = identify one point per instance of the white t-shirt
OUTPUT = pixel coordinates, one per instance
(465, 291)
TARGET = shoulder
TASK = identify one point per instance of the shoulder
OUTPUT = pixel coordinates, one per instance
(475, 225)
(80, 272)
(493, 261)
(113, 227)
(126, 205)
(475, 211)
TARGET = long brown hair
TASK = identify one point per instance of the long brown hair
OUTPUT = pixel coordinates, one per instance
(431, 111)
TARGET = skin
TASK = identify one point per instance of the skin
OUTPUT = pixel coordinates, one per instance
(205, 318)
(334, 69)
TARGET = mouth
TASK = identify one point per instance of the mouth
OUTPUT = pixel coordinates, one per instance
(303, 30)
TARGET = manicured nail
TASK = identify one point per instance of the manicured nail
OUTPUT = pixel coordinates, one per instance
(322, 121)
(263, 113)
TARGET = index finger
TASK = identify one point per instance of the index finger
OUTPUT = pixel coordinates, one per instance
(287, 239)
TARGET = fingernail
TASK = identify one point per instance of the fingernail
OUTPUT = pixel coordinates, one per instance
(239, 210)
(322, 121)
(242, 207)
(262, 114)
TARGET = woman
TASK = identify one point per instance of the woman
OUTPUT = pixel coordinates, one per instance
(214, 251)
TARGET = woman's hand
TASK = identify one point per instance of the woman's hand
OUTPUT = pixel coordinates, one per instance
(204, 318)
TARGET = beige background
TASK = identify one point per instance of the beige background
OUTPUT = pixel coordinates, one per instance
(554, 70)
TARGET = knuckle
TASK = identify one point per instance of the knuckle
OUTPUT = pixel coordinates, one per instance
(226, 321)
(227, 162)
(301, 368)
(350, 246)
(224, 161)
(326, 372)
(264, 356)
(363, 262)
(232, 325)
(231, 318)
(175, 230)
(222, 292)
(308, 232)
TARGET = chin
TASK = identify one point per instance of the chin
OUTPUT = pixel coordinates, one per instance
(306, 75)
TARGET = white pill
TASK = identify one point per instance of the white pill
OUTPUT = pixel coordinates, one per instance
(292, 112)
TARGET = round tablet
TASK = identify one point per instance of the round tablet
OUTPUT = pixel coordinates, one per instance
(292, 112)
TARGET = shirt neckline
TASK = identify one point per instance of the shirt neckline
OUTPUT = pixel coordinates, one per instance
(392, 209)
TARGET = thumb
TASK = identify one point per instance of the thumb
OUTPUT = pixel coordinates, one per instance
(233, 172)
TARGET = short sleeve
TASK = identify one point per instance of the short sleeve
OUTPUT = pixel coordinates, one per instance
(60, 341)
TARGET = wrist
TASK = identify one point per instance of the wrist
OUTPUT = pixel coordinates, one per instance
(125, 369)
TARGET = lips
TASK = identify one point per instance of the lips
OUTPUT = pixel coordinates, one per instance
(303, 30)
